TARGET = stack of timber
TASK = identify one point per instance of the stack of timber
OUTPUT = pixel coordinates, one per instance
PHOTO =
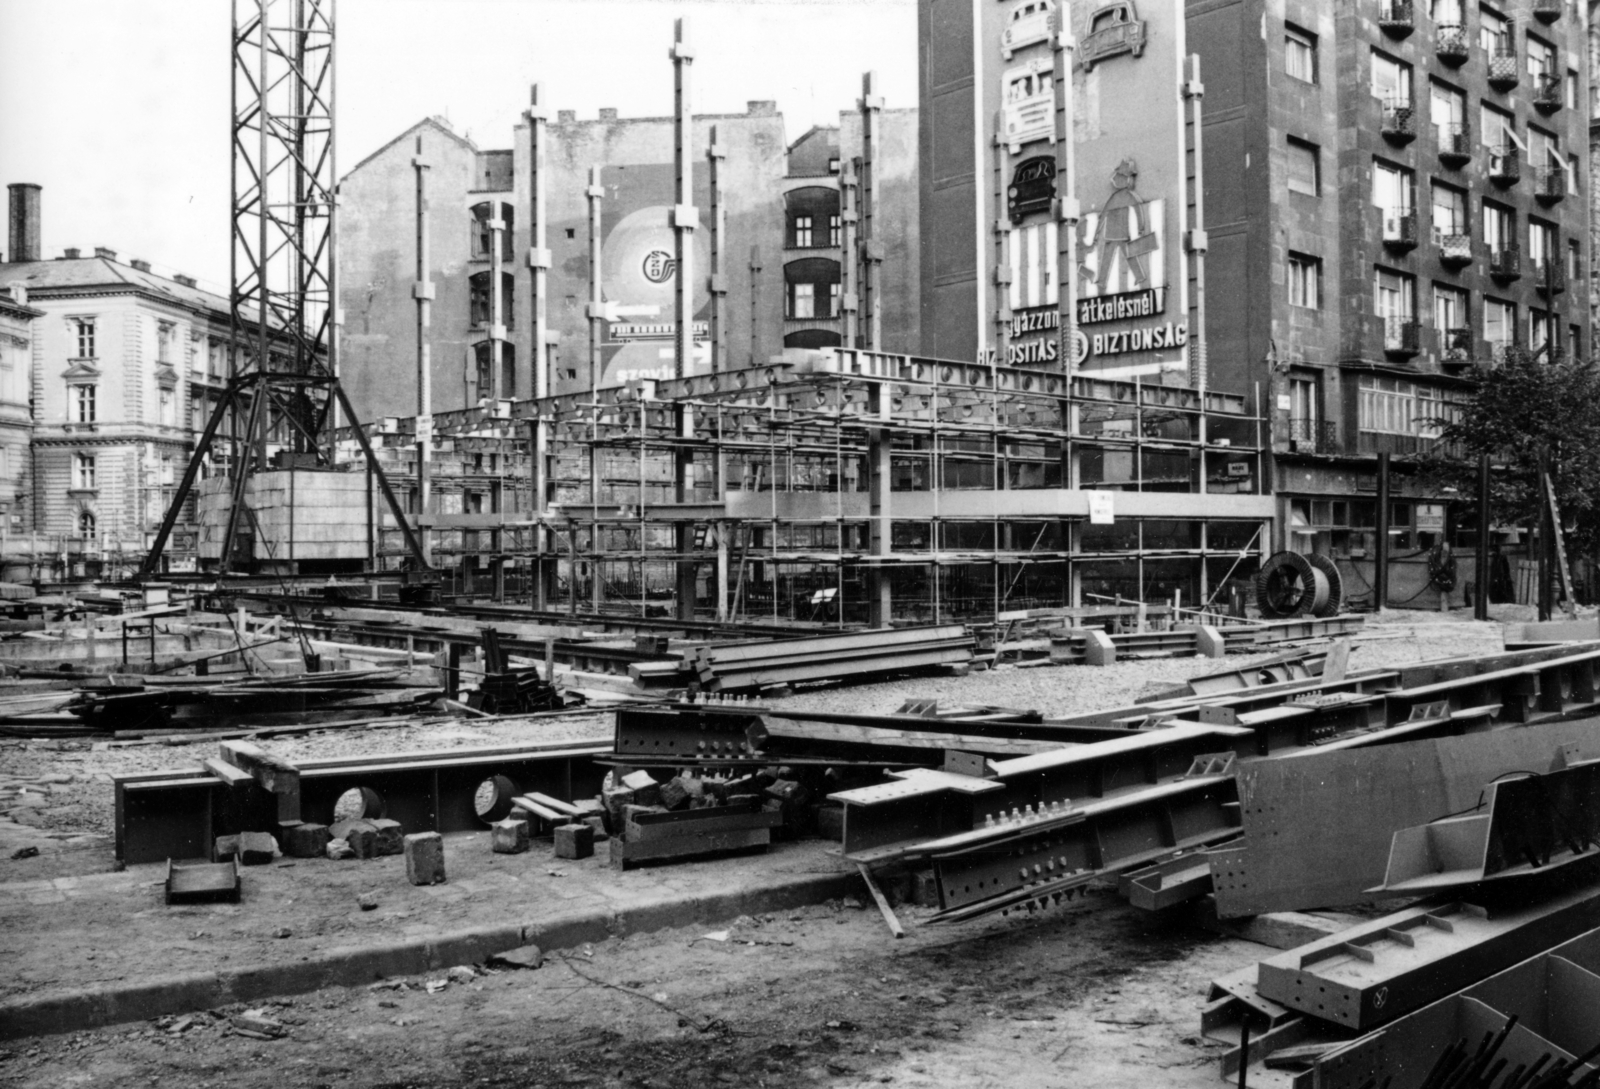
(745, 667)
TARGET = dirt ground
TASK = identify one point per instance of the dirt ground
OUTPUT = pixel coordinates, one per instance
(1094, 993)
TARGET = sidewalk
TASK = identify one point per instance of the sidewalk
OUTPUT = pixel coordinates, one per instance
(104, 948)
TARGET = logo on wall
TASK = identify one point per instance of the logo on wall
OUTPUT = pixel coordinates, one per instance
(1114, 29)
(1029, 23)
(1033, 187)
(1028, 92)
(1120, 246)
(658, 266)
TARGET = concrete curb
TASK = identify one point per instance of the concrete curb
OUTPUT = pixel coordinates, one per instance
(353, 966)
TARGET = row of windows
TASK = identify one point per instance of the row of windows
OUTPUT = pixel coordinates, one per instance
(1303, 164)
(84, 400)
(84, 330)
(1395, 300)
(804, 299)
(802, 234)
(1394, 195)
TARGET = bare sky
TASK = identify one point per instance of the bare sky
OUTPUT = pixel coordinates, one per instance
(120, 108)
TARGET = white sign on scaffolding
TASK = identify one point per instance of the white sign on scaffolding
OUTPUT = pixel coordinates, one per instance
(1100, 509)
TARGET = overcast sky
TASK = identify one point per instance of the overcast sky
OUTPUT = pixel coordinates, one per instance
(120, 108)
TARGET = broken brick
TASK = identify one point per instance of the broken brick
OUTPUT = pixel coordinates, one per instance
(390, 837)
(424, 853)
(509, 837)
(226, 849)
(339, 849)
(302, 840)
(679, 791)
(257, 848)
(646, 791)
(598, 823)
(616, 801)
(362, 837)
(574, 841)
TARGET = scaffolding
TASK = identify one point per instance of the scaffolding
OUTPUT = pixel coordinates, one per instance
(856, 487)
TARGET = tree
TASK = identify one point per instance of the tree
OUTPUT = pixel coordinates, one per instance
(1530, 409)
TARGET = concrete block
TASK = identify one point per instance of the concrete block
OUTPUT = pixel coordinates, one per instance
(424, 853)
(338, 850)
(679, 791)
(257, 848)
(616, 802)
(1208, 642)
(226, 848)
(362, 837)
(574, 841)
(598, 823)
(1098, 649)
(302, 840)
(646, 791)
(509, 837)
(389, 837)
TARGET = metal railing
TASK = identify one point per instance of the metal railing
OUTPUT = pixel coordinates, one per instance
(1504, 71)
(1550, 184)
(1397, 18)
(1505, 263)
(1454, 249)
(1455, 143)
(1549, 92)
(1450, 42)
(1399, 121)
(1505, 164)
(1402, 335)
(1308, 436)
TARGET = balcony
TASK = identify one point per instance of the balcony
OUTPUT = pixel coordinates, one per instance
(1308, 436)
(1399, 231)
(1399, 122)
(1550, 278)
(1547, 11)
(1455, 250)
(1397, 18)
(1451, 44)
(1549, 93)
(1402, 336)
(1455, 145)
(1505, 165)
(1505, 264)
(1456, 348)
(1503, 68)
(1550, 185)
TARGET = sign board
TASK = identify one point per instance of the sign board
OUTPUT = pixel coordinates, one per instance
(1100, 509)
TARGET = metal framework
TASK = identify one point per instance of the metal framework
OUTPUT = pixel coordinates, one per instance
(283, 395)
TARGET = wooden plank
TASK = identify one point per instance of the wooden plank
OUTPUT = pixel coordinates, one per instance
(691, 824)
(883, 903)
(846, 734)
(627, 852)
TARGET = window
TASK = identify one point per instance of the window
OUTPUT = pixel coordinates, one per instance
(1305, 406)
(216, 355)
(1571, 93)
(1394, 301)
(1544, 150)
(835, 231)
(1449, 112)
(1449, 311)
(483, 223)
(1499, 324)
(1305, 281)
(83, 403)
(85, 331)
(1449, 212)
(1494, 32)
(1391, 80)
(802, 231)
(1542, 245)
(83, 472)
(1446, 12)
(1499, 227)
(1541, 60)
(802, 300)
(1300, 54)
(1392, 191)
(166, 333)
(1540, 329)
(833, 299)
(86, 524)
(167, 470)
(1305, 175)
(1495, 123)
(478, 298)
(1574, 260)
(169, 407)
(1386, 406)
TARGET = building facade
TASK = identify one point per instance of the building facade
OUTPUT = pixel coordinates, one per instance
(1395, 193)
(781, 251)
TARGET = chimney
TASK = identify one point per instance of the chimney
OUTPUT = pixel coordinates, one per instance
(71, 253)
(608, 113)
(142, 266)
(109, 255)
(761, 107)
(24, 222)
(566, 117)
(186, 281)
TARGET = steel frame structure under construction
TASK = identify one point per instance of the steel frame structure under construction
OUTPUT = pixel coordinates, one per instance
(855, 486)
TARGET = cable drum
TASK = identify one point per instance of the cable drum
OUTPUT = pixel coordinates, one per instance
(1335, 584)
(1289, 586)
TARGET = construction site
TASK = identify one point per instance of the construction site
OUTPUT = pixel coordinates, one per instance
(694, 607)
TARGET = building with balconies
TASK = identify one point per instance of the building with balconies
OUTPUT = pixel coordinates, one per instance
(1387, 198)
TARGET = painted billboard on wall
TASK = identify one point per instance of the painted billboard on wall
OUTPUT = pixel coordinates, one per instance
(1126, 268)
(639, 272)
